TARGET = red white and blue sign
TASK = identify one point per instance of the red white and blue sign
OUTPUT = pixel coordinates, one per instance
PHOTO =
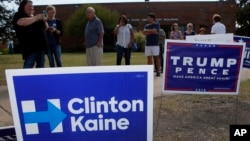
(107, 103)
(202, 68)
(242, 39)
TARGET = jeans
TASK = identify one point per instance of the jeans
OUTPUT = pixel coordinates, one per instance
(37, 57)
(55, 54)
(123, 51)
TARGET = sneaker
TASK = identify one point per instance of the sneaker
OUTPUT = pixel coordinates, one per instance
(158, 74)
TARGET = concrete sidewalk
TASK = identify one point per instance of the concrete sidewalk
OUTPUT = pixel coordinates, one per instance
(5, 109)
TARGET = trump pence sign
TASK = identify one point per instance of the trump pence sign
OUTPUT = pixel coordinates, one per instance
(202, 68)
(83, 103)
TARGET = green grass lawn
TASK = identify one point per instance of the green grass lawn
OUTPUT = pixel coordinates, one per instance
(69, 60)
(79, 59)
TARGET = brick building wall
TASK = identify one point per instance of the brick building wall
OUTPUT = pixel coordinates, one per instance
(198, 13)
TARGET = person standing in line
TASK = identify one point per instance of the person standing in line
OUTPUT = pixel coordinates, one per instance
(54, 32)
(93, 38)
(218, 27)
(31, 34)
(176, 33)
(162, 37)
(11, 46)
(152, 49)
(189, 30)
(125, 38)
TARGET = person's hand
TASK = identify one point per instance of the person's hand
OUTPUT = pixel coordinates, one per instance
(99, 44)
(130, 44)
(52, 29)
(41, 17)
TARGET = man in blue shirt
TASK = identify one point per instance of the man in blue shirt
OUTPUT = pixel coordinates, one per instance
(93, 38)
(152, 49)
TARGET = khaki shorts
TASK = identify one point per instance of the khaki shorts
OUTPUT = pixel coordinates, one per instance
(94, 56)
(152, 50)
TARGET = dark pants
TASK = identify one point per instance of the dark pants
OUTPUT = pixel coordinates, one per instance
(161, 58)
(37, 57)
(123, 51)
(55, 54)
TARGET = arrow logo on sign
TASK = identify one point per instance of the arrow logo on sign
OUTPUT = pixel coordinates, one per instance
(54, 116)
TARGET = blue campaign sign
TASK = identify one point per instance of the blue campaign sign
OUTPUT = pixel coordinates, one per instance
(7, 133)
(83, 103)
(242, 39)
(202, 68)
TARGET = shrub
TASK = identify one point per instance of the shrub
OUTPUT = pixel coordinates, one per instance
(140, 39)
(75, 25)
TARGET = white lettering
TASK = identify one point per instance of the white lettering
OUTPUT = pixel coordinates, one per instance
(77, 123)
(178, 69)
(214, 71)
(198, 62)
(73, 101)
(124, 106)
(190, 70)
(123, 123)
(217, 63)
(175, 59)
(187, 61)
(231, 62)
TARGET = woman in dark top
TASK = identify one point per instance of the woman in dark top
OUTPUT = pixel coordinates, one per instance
(31, 34)
(189, 30)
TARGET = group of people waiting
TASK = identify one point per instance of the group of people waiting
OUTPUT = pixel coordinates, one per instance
(40, 34)
(217, 28)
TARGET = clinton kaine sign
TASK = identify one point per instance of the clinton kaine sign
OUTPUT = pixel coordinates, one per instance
(107, 103)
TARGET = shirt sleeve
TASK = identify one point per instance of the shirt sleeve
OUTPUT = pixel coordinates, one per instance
(16, 17)
(59, 26)
(157, 26)
(213, 29)
(129, 26)
(162, 33)
(100, 27)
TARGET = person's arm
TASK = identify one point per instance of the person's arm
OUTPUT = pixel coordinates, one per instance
(100, 38)
(162, 35)
(116, 29)
(30, 20)
(181, 35)
(150, 31)
(132, 37)
(59, 30)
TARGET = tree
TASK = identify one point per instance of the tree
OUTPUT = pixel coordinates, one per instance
(74, 26)
(243, 19)
(6, 28)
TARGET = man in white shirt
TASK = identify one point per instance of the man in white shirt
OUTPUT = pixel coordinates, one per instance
(218, 27)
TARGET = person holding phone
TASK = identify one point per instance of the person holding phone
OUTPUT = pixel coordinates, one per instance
(31, 34)
(54, 31)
